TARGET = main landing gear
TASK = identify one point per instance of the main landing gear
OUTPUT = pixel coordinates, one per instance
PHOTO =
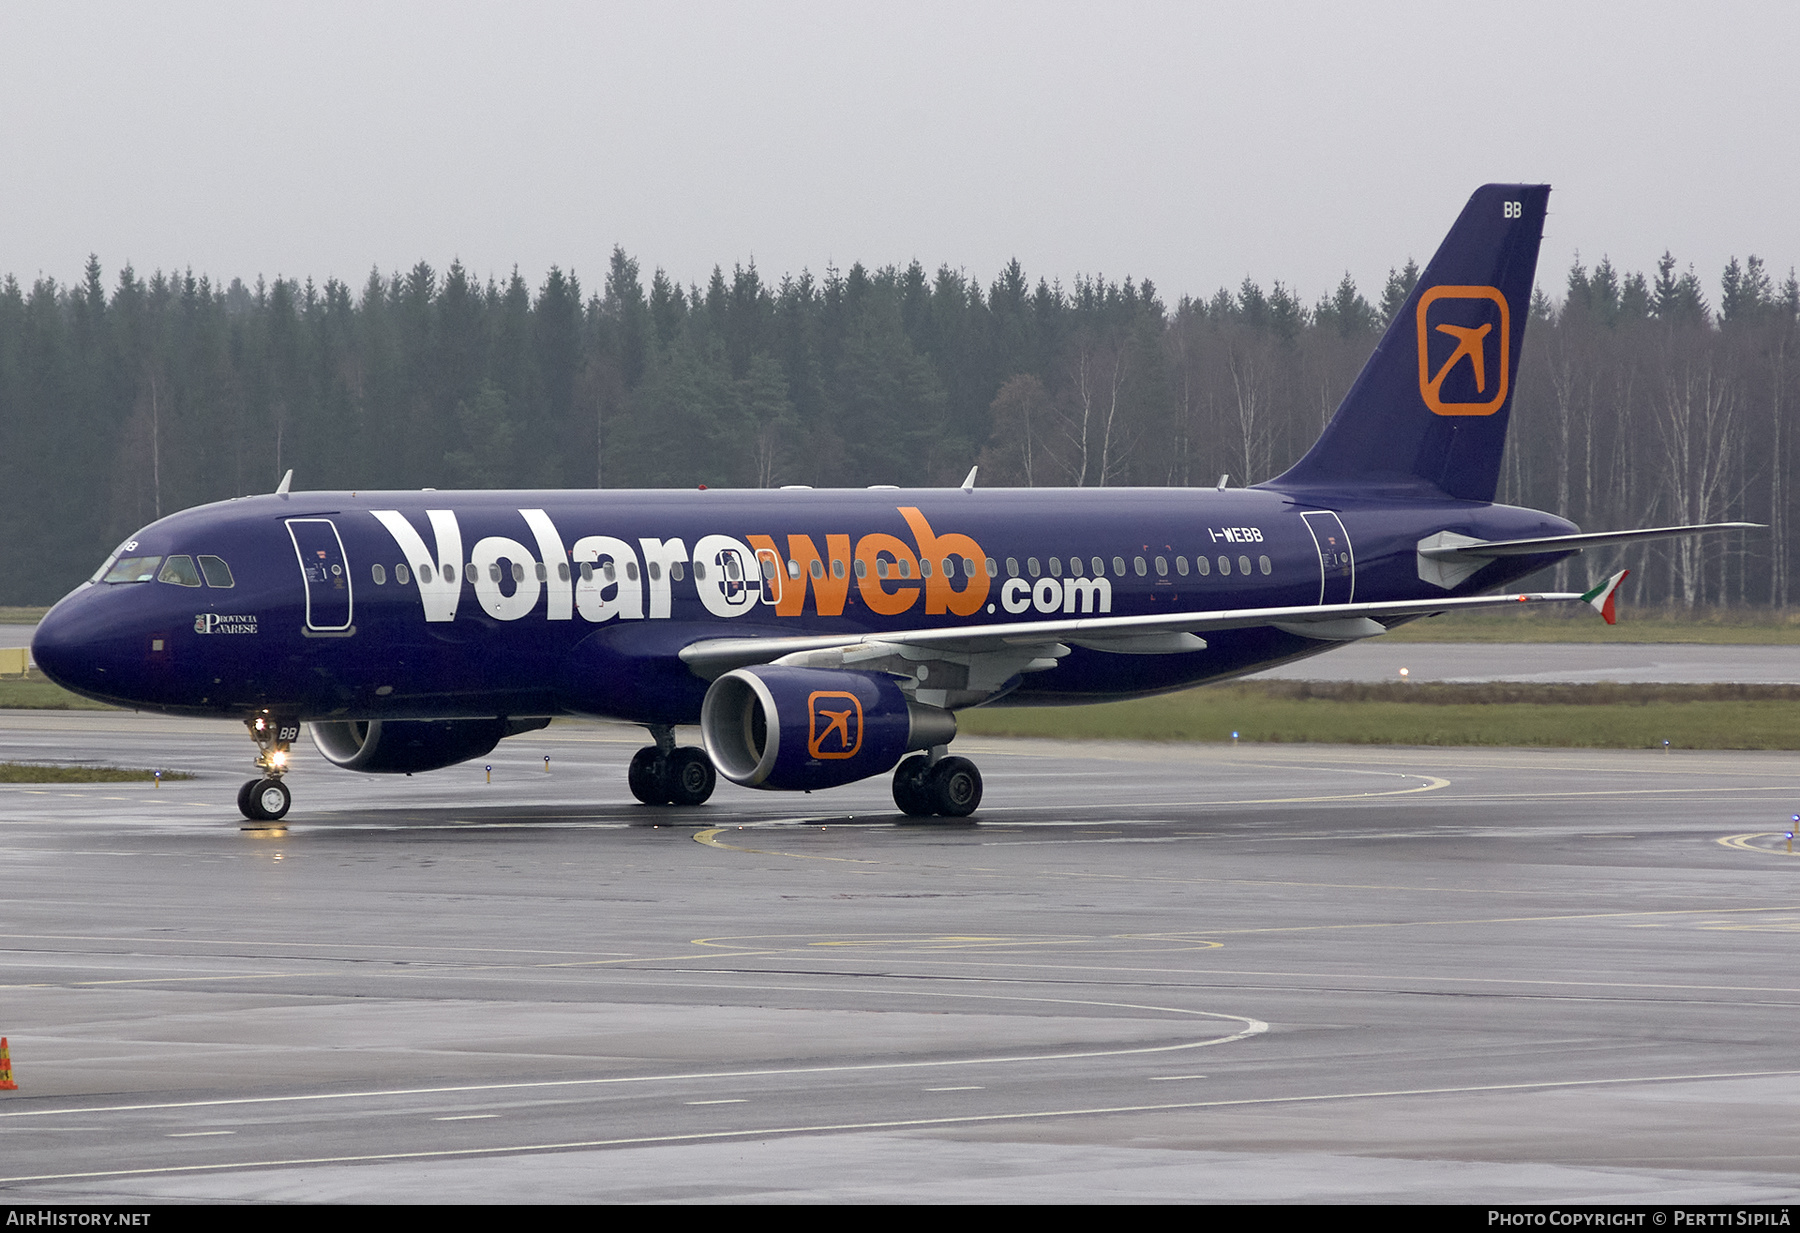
(662, 774)
(267, 799)
(927, 784)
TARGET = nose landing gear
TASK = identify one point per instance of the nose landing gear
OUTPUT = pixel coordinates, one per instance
(267, 799)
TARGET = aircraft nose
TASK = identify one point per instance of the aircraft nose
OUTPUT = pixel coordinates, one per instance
(65, 646)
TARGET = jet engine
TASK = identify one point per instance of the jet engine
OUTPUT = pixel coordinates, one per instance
(402, 746)
(797, 729)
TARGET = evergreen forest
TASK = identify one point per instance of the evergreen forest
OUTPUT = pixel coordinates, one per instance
(1643, 398)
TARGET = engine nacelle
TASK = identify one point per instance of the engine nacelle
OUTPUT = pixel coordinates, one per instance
(402, 746)
(797, 729)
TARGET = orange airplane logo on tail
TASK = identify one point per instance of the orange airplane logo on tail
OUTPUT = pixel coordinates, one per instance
(1472, 337)
(836, 728)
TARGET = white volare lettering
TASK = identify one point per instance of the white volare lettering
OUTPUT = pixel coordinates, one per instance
(1016, 595)
(662, 558)
(1046, 596)
(561, 604)
(489, 580)
(627, 602)
(438, 590)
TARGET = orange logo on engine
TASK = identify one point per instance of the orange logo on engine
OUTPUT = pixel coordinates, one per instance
(836, 728)
(1471, 326)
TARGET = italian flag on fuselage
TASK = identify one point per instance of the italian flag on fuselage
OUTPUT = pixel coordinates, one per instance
(1602, 597)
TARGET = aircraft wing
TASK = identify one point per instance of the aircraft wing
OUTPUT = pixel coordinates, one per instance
(993, 653)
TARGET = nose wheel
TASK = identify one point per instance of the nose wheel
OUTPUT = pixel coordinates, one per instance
(267, 799)
(264, 800)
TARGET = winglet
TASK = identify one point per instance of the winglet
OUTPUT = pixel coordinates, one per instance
(1604, 597)
(968, 484)
(281, 489)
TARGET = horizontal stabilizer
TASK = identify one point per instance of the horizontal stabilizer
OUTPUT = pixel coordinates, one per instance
(1570, 543)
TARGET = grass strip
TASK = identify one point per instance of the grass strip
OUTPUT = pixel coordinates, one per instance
(1601, 716)
(37, 694)
(33, 772)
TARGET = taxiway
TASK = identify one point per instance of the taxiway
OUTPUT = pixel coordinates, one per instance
(1146, 973)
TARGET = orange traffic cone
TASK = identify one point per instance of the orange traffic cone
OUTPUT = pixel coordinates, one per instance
(6, 1079)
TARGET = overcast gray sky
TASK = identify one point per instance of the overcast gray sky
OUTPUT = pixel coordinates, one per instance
(1190, 143)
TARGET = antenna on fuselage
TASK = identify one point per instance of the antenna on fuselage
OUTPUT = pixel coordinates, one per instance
(968, 484)
(281, 489)
(1224, 480)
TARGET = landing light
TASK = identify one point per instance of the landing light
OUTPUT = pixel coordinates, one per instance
(278, 758)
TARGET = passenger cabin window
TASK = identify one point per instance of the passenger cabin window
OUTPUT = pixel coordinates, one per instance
(1224, 566)
(402, 575)
(1012, 567)
(216, 572)
(1032, 566)
(379, 573)
(134, 569)
(1137, 563)
(1162, 567)
(1265, 565)
(180, 571)
(1201, 564)
(1244, 566)
(1118, 567)
(1098, 566)
(1056, 567)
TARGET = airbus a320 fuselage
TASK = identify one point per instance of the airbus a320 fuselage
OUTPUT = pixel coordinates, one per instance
(818, 637)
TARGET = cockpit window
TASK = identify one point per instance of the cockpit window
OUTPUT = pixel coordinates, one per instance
(180, 571)
(134, 569)
(218, 574)
(106, 565)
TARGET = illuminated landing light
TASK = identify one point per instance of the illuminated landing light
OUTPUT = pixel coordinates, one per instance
(1405, 674)
(278, 758)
